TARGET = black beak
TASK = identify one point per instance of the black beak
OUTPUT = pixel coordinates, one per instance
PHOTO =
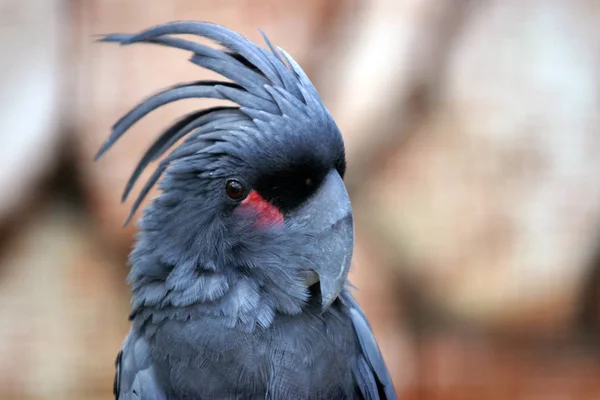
(328, 214)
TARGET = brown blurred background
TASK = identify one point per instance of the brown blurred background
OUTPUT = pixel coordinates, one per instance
(472, 131)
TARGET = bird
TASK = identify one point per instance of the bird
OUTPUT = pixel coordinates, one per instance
(239, 270)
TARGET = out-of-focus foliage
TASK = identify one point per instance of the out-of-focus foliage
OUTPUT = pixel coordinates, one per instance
(473, 142)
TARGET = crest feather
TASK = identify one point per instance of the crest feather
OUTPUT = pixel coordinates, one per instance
(261, 83)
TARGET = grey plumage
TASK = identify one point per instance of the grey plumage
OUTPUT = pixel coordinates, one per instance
(220, 305)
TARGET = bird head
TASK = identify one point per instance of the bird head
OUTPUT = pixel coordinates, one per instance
(254, 188)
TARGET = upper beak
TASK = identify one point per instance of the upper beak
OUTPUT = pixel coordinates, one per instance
(328, 214)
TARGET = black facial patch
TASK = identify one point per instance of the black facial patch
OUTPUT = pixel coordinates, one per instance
(288, 187)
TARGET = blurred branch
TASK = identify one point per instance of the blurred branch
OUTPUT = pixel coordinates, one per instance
(388, 90)
(32, 57)
(589, 316)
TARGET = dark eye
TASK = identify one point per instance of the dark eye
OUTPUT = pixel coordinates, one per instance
(235, 190)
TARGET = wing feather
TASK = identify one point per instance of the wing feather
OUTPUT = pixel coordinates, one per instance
(372, 375)
(134, 375)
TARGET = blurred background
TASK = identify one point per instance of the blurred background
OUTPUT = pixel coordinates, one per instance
(473, 140)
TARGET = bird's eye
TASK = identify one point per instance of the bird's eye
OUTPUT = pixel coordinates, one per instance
(235, 189)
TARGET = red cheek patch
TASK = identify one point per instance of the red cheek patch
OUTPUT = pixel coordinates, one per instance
(267, 213)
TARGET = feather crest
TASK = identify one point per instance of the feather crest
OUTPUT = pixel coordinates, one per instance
(261, 83)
